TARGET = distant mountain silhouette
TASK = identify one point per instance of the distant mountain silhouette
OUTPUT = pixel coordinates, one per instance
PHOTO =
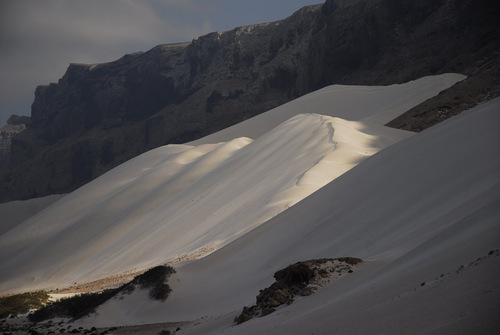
(98, 116)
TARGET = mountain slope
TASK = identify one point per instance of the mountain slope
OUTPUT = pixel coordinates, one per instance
(373, 104)
(183, 201)
(98, 116)
(423, 213)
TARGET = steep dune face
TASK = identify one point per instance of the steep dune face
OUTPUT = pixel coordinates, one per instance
(15, 212)
(423, 213)
(374, 104)
(184, 201)
(179, 201)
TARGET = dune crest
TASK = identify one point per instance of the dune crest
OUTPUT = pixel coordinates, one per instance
(176, 200)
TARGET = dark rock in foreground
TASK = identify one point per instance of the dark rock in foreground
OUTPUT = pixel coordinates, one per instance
(299, 279)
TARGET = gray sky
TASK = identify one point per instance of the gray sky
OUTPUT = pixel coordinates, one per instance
(40, 38)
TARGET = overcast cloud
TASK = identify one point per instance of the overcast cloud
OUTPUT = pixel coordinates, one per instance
(39, 39)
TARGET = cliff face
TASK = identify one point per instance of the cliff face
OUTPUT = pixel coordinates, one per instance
(15, 125)
(98, 116)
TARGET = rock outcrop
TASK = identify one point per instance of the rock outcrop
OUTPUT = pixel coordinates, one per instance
(15, 125)
(98, 116)
(299, 279)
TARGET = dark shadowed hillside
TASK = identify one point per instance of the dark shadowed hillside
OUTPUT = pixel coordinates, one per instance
(98, 116)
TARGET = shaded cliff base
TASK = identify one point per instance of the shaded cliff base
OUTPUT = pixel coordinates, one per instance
(479, 87)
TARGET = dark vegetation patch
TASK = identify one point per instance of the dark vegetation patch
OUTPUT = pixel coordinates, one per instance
(51, 327)
(81, 305)
(155, 280)
(14, 305)
(73, 307)
(299, 279)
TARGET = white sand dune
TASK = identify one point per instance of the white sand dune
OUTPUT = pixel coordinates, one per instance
(184, 201)
(348, 102)
(15, 212)
(313, 183)
(424, 211)
(372, 104)
(179, 201)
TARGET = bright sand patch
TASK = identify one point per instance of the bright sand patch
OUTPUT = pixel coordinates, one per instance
(182, 202)
(178, 200)
(419, 209)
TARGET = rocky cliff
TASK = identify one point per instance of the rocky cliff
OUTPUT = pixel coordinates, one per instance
(98, 116)
(15, 125)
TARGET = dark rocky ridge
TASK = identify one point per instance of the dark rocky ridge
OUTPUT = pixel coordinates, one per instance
(98, 116)
(299, 279)
(15, 125)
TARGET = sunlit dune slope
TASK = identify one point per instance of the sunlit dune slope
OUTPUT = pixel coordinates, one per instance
(424, 215)
(185, 201)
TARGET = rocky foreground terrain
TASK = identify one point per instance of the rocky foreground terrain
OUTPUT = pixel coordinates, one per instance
(98, 116)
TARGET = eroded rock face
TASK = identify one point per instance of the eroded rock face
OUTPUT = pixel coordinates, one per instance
(98, 116)
(299, 279)
(15, 125)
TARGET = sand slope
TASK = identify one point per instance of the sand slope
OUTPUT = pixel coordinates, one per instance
(184, 201)
(181, 201)
(15, 212)
(373, 104)
(426, 210)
